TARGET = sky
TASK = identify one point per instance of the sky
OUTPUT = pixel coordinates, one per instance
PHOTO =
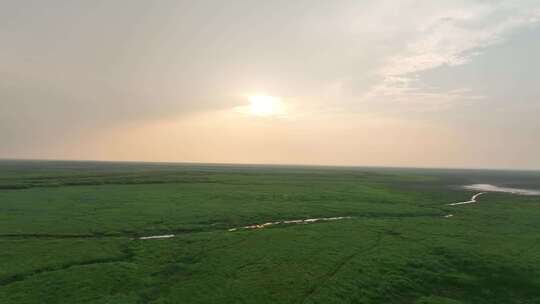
(427, 83)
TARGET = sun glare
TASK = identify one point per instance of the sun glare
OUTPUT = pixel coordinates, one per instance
(264, 105)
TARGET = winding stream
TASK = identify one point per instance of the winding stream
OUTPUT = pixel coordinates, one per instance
(164, 236)
(492, 188)
(471, 201)
(474, 199)
(259, 226)
(306, 221)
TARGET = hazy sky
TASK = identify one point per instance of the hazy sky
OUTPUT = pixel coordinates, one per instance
(387, 82)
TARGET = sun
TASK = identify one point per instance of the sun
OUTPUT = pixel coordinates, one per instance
(265, 105)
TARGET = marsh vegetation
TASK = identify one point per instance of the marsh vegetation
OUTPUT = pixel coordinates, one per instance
(70, 233)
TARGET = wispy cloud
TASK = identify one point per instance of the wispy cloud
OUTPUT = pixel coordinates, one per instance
(450, 37)
(405, 90)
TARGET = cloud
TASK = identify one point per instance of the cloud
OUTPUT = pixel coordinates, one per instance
(447, 37)
(401, 91)
(451, 43)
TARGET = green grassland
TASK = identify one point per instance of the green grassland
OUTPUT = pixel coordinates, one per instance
(69, 234)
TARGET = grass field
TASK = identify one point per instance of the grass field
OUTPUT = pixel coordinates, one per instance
(69, 234)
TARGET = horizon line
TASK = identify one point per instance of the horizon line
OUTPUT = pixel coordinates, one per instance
(342, 166)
